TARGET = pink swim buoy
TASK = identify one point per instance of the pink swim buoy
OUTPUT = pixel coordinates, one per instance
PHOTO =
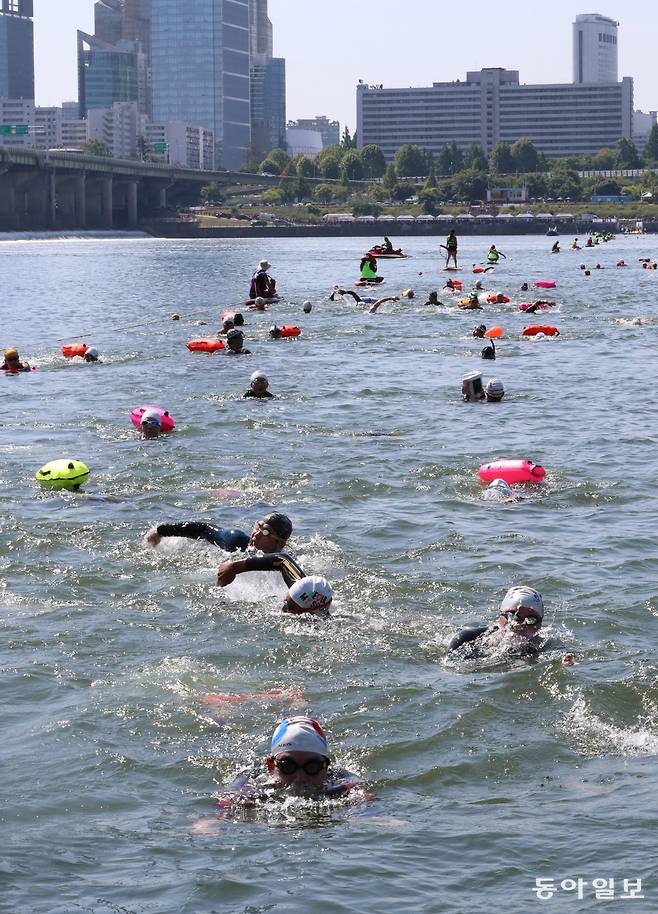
(166, 420)
(512, 471)
(545, 284)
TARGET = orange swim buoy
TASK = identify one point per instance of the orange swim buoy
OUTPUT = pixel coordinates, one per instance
(286, 330)
(72, 349)
(205, 345)
(494, 333)
(534, 329)
(497, 299)
(478, 269)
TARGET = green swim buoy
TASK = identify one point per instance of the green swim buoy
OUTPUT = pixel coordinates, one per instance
(62, 474)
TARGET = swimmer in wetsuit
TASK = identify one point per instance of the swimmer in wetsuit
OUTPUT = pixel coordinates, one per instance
(12, 363)
(298, 764)
(517, 628)
(270, 534)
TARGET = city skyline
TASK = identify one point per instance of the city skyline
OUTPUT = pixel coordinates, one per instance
(405, 56)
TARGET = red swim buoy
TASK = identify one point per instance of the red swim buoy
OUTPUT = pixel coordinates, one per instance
(494, 333)
(285, 330)
(71, 350)
(205, 345)
(534, 329)
(497, 299)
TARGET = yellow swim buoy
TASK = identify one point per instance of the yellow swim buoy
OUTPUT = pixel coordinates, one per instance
(62, 474)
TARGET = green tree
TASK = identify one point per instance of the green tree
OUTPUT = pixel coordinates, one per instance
(323, 192)
(450, 160)
(410, 161)
(470, 185)
(348, 142)
(565, 183)
(213, 192)
(97, 148)
(301, 189)
(650, 153)
(305, 167)
(351, 168)
(390, 177)
(627, 154)
(604, 160)
(502, 161)
(402, 191)
(366, 208)
(340, 192)
(273, 196)
(328, 166)
(430, 198)
(475, 159)
(430, 183)
(525, 156)
(374, 163)
(606, 188)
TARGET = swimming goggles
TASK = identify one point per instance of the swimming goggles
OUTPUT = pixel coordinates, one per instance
(262, 528)
(313, 766)
(513, 614)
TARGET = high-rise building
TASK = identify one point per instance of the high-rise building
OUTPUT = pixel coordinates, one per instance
(108, 20)
(137, 28)
(330, 130)
(200, 70)
(16, 49)
(594, 49)
(107, 73)
(490, 107)
(268, 85)
(118, 126)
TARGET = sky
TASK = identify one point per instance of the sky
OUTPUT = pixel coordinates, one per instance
(330, 44)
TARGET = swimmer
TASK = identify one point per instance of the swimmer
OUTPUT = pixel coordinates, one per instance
(269, 534)
(433, 299)
(150, 424)
(556, 248)
(259, 305)
(91, 355)
(312, 594)
(307, 307)
(575, 246)
(524, 287)
(407, 293)
(227, 324)
(479, 331)
(477, 269)
(258, 387)
(234, 343)
(501, 492)
(541, 304)
(489, 352)
(472, 303)
(298, 763)
(478, 286)
(12, 362)
(494, 391)
(380, 301)
(517, 627)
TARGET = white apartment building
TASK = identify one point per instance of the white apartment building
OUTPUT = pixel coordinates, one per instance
(74, 134)
(491, 106)
(17, 113)
(180, 144)
(48, 128)
(595, 49)
(118, 126)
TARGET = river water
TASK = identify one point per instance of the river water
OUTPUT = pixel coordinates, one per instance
(484, 779)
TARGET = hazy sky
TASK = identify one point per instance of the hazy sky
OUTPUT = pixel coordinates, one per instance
(330, 44)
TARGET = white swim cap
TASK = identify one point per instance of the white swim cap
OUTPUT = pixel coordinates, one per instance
(259, 301)
(151, 418)
(501, 486)
(312, 594)
(495, 388)
(92, 351)
(299, 734)
(523, 597)
(258, 376)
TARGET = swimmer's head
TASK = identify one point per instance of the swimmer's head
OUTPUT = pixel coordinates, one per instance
(309, 595)
(91, 354)
(258, 382)
(11, 354)
(238, 319)
(522, 610)
(275, 333)
(150, 423)
(259, 303)
(307, 307)
(407, 293)
(271, 533)
(495, 390)
(228, 324)
(235, 339)
(479, 331)
(299, 734)
(503, 488)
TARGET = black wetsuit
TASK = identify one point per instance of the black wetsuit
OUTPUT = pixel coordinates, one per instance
(232, 540)
(265, 396)
(472, 634)
(238, 352)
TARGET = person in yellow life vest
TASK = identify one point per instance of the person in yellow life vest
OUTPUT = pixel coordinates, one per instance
(368, 267)
(493, 255)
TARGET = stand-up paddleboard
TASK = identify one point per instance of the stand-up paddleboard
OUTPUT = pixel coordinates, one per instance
(450, 269)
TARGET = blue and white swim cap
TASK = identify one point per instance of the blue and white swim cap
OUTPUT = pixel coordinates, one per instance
(299, 734)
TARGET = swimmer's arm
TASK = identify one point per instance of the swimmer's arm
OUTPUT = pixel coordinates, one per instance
(193, 530)
(357, 298)
(380, 301)
(464, 635)
(272, 561)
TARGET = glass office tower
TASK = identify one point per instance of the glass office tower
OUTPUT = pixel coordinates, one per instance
(16, 49)
(200, 70)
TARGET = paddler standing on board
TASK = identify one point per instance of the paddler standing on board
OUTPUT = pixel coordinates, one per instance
(451, 247)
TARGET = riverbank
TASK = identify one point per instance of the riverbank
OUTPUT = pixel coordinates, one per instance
(488, 227)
